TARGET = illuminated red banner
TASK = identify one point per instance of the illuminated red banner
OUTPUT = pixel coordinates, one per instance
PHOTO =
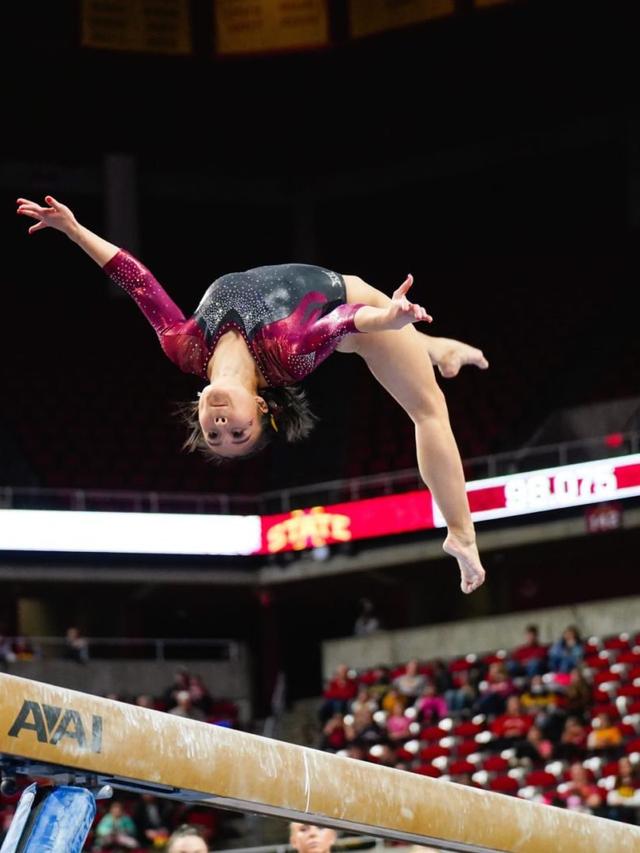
(319, 525)
(499, 497)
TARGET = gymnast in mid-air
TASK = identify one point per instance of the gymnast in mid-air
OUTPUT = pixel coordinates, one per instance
(256, 334)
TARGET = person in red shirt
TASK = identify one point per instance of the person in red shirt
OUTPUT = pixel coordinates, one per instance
(581, 794)
(514, 724)
(338, 693)
(530, 658)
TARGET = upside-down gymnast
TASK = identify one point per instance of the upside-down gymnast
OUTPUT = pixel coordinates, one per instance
(255, 334)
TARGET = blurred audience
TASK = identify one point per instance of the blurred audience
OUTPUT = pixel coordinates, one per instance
(567, 652)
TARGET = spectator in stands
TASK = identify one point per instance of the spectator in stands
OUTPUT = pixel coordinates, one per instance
(334, 736)
(573, 740)
(187, 839)
(624, 798)
(537, 696)
(363, 700)
(310, 838)
(398, 726)
(200, 696)
(382, 683)
(566, 653)
(367, 622)
(76, 646)
(605, 736)
(512, 726)
(185, 707)
(391, 699)
(151, 817)
(530, 658)
(144, 701)
(461, 697)
(340, 691)
(116, 831)
(180, 682)
(363, 728)
(429, 705)
(7, 655)
(411, 682)
(578, 694)
(495, 690)
(356, 750)
(441, 677)
(581, 793)
(535, 747)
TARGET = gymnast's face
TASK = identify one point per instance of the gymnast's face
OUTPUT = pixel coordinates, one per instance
(309, 838)
(230, 418)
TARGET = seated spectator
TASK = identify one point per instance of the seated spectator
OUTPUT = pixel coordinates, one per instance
(334, 736)
(441, 677)
(398, 726)
(144, 701)
(535, 747)
(581, 794)
(116, 831)
(363, 729)
(7, 655)
(340, 691)
(605, 734)
(530, 658)
(180, 682)
(185, 707)
(566, 654)
(151, 817)
(429, 705)
(573, 740)
(200, 696)
(624, 798)
(497, 688)
(22, 648)
(367, 622)
(382, 683)
(363, 700)
(513, 725)
(76, 646)
(578, 694)
(537, 697)
(391, 699)
(411, 683)
(187, 839)
(462, 697)
(357, 750)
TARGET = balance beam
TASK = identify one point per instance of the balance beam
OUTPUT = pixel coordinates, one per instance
(46, 730)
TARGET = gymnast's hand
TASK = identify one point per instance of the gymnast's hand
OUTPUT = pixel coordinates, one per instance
(56, 215)
(401, 312)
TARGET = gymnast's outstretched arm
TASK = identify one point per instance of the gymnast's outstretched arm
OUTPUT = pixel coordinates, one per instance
(120, 266)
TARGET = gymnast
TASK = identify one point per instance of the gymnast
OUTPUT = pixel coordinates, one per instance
(255, 334)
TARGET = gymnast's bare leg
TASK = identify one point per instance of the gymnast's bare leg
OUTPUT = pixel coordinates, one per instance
(397, 360)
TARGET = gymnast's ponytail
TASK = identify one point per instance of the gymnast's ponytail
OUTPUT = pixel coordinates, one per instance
(289, 414)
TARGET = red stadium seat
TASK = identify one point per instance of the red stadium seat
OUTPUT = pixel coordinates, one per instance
(504, 785)
(430, 734)
(541, 779)
(467, 729)
(430, 752)
(428, 770)
(632, 746)
(495, 764)
(458, 768)
(467, 747)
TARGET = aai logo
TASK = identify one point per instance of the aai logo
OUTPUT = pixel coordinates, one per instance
(52, 725)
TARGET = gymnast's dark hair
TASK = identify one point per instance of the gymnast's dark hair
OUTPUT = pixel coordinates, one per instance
(289, 419)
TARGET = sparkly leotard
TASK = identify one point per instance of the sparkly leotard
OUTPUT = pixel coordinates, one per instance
(292, 316)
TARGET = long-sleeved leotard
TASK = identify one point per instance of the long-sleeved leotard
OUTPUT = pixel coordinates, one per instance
(292, 316)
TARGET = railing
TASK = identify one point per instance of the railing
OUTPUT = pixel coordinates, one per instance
(335, 491)
(114, 648)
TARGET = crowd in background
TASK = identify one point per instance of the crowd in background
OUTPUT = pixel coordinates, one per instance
(557, 723)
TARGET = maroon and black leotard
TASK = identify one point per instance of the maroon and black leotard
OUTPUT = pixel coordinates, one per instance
(292, 316)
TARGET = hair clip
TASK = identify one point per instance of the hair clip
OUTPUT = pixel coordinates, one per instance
(274, 424)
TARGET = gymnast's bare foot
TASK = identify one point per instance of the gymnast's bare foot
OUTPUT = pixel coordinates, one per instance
(471, 571)
(453, 355)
